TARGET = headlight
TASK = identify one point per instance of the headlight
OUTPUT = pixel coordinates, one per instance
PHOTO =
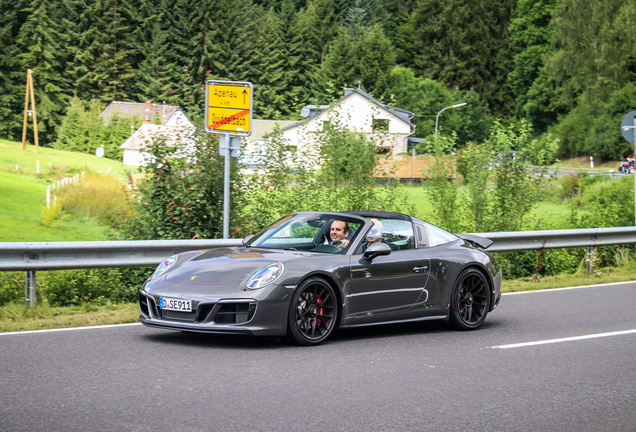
(164, 266)
(265, 276)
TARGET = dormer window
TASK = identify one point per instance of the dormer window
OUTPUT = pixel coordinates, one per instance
(380, 125)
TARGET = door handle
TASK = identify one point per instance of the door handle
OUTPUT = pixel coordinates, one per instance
(420, 269)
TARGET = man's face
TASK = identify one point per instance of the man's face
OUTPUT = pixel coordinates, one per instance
(338, 231)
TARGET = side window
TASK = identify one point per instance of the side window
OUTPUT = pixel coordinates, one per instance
(398, 234)
(438, 236)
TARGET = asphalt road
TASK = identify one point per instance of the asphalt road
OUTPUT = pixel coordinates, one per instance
(415, 377)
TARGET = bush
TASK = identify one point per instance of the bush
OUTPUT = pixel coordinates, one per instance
(182, 198)
(99, 197)
(72, 287)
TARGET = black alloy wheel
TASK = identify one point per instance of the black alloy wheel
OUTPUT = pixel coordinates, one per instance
(470, 300)
(313, 312)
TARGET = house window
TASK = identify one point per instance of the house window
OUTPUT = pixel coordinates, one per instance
(380, 125)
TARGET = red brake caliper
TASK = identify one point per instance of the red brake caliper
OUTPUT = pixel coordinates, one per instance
(318, 302)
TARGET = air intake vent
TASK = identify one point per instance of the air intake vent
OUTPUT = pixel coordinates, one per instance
(235, 313)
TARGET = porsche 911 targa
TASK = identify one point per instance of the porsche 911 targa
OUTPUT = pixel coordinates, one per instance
(310, 273)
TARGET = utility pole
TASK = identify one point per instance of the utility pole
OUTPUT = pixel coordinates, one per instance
(30, 113)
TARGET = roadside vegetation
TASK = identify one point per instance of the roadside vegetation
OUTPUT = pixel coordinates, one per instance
(181, 200)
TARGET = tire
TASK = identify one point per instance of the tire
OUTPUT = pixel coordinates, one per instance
(470, 300)
(313, 313)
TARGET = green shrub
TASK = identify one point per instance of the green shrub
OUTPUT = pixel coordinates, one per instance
(99, 286)
(11, 287)
(72, 287)
(100, 197)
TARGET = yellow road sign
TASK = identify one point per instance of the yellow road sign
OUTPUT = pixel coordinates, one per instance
(229, 107)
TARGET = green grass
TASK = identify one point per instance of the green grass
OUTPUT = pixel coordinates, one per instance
(22, 198)
(20, 317)
(11, 154)
(582, 163)
(23, 193)
(545, 214)
(580, 278)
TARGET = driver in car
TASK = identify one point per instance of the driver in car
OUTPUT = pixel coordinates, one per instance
(338, 234)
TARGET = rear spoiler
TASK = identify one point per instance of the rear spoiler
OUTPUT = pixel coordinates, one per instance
(481, 242)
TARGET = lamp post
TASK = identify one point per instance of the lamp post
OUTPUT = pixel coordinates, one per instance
(443, 109)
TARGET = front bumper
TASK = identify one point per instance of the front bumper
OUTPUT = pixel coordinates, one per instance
(247, 316)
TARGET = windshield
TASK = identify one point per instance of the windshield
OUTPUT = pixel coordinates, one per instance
(312, 232)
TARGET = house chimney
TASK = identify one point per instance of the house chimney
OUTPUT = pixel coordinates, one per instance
(148, 112)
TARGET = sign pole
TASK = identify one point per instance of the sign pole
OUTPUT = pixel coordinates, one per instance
(228, 111)
(226, 188)
(634, 157)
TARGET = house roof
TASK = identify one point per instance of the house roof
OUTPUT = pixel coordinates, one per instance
(261, 128)
(132, 109)
(400, 113)
(148, 132)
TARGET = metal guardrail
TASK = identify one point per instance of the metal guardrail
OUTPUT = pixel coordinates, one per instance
(96, 254)
(559, 239)
(32, 257)
(141, 253)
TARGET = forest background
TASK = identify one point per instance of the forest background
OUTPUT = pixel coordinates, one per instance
(565, 66)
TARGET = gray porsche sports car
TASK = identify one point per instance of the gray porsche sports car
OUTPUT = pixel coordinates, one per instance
(310, 273)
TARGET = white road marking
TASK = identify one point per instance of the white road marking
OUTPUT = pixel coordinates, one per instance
(68, 329)
(568, 339)
(567, 288)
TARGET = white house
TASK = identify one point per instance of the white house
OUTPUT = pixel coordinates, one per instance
(165, 121)
(389, 127)
(358, 111)
(134, 147)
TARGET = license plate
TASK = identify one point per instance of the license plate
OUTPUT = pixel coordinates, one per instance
(173, 304)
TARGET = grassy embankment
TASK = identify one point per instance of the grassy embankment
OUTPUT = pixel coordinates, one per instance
(23, 192)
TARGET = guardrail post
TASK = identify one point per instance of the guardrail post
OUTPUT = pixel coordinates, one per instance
(30, 288)
(590, 259)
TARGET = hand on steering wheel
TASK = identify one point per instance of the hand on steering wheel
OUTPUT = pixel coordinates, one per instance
(340, 243)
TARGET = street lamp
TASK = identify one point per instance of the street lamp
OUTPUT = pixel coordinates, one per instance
(437, 118)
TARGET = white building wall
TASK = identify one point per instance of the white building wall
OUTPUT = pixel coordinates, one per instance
(357, 113)
(135, 157)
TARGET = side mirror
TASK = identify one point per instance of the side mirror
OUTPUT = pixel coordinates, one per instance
(375, 250)
(248, 238)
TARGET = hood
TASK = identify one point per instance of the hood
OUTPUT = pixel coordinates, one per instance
(222, 265)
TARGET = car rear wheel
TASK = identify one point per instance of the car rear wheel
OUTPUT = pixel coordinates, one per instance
(313, 312)
(470, 300)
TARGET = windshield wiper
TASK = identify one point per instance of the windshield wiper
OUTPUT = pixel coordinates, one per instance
(291, 249)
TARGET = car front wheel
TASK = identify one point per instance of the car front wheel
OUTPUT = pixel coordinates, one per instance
(470, 300)
(313, 312)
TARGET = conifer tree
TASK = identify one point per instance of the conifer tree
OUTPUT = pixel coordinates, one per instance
(464, 45)
(40, 42)
(375, 61)
(317, 25)
(341, 68)
(112, 76)
(292, 45)
(530, 33)
(269, 98)
(9, 120)
(154, 75)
